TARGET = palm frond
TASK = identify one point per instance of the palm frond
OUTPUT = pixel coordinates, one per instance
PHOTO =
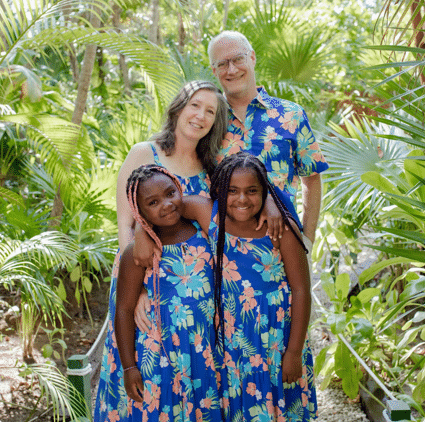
(22, 20)
(60, 393)
(349, 157)
(11, 196)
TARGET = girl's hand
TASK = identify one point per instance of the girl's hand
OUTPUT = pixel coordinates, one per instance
(291, 367)
(274, 219)
(144, 248)
(133, 384)
(141, 312)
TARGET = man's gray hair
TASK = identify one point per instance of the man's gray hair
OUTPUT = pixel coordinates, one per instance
(228, 35)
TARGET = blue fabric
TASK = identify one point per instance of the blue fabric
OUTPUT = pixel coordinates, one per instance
(256, 299)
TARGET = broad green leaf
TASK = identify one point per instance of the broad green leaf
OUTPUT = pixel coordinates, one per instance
(413, 288)
(412, 254)
(408, 337)
(60, 290)
(78, 296)
(415, 236)
(87, 284)
(419, 316)
(379, 182)
(377, 267)
(367, 294)
(342, 285)
(320, 360)
(343, 362)
(328, 284)
(75, 274)
(350, 384)
(337, 323)
(364, 327)
(419, 390)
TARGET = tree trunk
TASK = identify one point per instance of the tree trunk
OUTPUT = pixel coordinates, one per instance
(182, 33)
(123, 65)
(154, 35)
(71, 52)
(77, 117)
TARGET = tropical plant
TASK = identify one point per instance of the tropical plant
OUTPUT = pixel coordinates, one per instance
(21, 268)
(360, 148)
(65, 401)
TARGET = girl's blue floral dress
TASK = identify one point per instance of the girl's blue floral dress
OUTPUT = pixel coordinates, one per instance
(181, 386)
(256, 299)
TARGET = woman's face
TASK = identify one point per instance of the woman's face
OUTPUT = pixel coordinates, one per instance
(198, 116)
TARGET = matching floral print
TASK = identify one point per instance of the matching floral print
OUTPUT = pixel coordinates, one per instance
(186, 336)
(177, 368)
(278, 133)
(257, 319)
(181, 385)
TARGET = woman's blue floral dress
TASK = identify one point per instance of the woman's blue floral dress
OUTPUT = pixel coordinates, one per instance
(181, 386)
(257, 317)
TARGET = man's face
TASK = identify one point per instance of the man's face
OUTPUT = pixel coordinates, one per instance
(233, 65)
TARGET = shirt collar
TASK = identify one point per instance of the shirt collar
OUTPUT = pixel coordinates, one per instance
(262, 97)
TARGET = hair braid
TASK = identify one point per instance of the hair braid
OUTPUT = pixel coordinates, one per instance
(138, 176)
(220, 182)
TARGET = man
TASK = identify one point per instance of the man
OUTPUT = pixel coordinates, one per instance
(275, 130)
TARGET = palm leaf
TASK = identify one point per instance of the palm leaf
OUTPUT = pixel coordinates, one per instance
(11, 196)
(20, 263)
(23, 20)
(414, 236)
(412, 254)
(349, 158)
(62, 395)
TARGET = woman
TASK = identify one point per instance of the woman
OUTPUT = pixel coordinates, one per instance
(187, 146)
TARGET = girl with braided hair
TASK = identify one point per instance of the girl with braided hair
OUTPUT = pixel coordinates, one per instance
(262, 298)
(194, 127)
(168, 373)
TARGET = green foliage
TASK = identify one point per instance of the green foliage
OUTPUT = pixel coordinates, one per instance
(62, 395)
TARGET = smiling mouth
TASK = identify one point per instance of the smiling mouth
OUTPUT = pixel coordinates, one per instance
(196, 126)
(242, 208)
(169, 214)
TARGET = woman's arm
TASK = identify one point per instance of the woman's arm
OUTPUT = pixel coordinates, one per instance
(198, 208)
(195, 207)
(139, 154)
(296, 267)
(130, 281)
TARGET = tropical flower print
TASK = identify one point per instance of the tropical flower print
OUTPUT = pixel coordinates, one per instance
(278, 133)
(177, 364)
(257, 321)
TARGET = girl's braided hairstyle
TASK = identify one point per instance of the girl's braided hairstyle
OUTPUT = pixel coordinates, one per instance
(137, 177)
(219, 189)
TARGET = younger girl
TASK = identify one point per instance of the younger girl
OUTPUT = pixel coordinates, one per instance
(262, 299)
(168, 373)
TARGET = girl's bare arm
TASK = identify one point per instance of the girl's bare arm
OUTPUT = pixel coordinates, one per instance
(129, 285)
(296, 267)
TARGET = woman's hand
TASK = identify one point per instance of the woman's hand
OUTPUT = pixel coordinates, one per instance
(133, 384)
(291, 367)
(141, 312)
(274, 219)
(144, 248)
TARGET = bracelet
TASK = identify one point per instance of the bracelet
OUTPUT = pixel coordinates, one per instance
(131, 367)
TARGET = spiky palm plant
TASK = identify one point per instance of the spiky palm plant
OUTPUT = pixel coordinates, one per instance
(24, 265)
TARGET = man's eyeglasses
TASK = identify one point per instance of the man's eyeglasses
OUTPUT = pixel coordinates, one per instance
(239, 60)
